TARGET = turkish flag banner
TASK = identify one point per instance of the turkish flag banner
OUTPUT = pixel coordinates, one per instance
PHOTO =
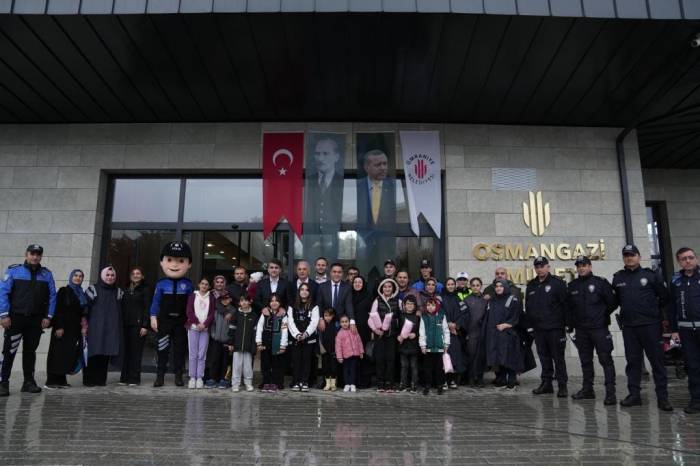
(283, 181)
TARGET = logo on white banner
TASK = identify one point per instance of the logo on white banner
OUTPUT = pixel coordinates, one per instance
(420, 169)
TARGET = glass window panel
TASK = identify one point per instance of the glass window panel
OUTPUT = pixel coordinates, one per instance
(146, 200)
(128, 248)
(223, 200)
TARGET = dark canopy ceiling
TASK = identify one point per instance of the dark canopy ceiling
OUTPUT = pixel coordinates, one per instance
(358, 67)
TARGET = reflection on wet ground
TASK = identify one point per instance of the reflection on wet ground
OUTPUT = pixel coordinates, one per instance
(172, 425)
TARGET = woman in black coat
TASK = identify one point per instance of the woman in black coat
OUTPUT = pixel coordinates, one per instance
(65, 345)
(502, 341)
(361, 304)
(136, 305)
(458, 320)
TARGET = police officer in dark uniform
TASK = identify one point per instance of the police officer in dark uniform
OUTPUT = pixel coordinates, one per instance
(591, 301)
(642, 295)
(546, 314)
(27, 305)
(684, 317)
(168, 309)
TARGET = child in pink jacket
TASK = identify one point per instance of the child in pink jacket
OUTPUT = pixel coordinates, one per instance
(348, 350)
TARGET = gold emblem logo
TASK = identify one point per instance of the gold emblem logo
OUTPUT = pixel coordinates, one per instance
(536, 213)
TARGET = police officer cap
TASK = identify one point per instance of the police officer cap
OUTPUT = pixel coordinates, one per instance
(176, 249)
(630, 249)
(425, 263)
(582, 260)
(389, 261)
(541, 260)
(462, 276)
(35, 248)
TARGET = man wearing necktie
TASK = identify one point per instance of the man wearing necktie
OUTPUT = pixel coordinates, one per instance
(376, 213)
(323, 198)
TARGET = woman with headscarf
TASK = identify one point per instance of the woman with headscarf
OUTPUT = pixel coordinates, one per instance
(385, 324)
(502, 343)
(477, 313)
(136, 306)
(65, 345)
(427, 293)
(104, 327)
(457, 315)
(361, 304)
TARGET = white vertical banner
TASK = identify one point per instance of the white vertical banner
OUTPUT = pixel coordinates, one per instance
(422, 164)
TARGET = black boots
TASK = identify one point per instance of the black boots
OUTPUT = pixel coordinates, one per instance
(584, 394)
(664, 405)
(178, 379)
(4, 388)
(545, 387)
(610, 399)
(631, 400)
(692, 408)
(160, 380)
(562, 392)
(30, 386)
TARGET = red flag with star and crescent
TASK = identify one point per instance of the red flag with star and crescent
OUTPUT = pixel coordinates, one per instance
(283, 181)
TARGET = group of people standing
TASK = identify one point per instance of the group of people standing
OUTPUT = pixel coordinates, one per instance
(397, 333)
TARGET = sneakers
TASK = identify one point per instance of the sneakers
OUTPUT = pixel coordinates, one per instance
(223, 384)
(249, 388)
(236, 388)
(200, 383)
(380, 388)
(413, 388)
(30, 386)
(123, 384)
(296, 387)
(192, 383)
(353, 388)
(305, 387)
(453, 385)
(346, 388)
(426, 391)
(210, 384)
(273, 388)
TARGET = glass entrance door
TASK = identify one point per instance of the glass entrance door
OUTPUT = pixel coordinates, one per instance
(218, 252)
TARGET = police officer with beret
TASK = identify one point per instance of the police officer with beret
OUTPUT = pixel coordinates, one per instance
(546, 313)
(591, 301)
(684, 317)
(642, 296)
(27, 304)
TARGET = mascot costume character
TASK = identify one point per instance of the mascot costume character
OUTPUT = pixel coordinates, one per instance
(168, 309)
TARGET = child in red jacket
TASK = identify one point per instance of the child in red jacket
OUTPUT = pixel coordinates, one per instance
(348, 350)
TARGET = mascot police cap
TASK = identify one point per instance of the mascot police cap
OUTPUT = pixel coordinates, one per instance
(176, 249)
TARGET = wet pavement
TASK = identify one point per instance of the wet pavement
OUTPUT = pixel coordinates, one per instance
(486, 426)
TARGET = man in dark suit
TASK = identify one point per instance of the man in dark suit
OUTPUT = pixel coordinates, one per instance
(301, 277)
(273, 283)
(336, 293)
(376, 213)
(323, 200)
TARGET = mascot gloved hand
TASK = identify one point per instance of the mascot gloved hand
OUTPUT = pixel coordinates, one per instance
(168, 309)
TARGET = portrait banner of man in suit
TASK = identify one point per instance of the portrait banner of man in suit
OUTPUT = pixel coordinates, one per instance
(323, 194)
(376, 201)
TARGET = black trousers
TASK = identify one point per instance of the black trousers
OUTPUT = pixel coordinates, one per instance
(433, 370)
(329, 366)
(645, 339)
(171, 333)
(409, 362)
(25, 329)
(474, 367)
(272, 367)
(96, 371)
(691, 350)
(350, 370)
(600, 339)
(385, 349)
(132, 352)
(301, 362)
(551, 346)
(218, 359)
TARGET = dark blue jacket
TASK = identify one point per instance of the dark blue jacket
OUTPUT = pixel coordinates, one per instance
(642, 295)
(170, 298)
(26, 291)
(685, 298)
(545, 303)
(591, 301)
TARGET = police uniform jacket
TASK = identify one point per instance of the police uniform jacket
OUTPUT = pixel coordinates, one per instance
(684, 309)
(546, 303)
(641, 294)
(591, 301)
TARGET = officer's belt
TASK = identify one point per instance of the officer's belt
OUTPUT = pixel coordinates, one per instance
(689, 324)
